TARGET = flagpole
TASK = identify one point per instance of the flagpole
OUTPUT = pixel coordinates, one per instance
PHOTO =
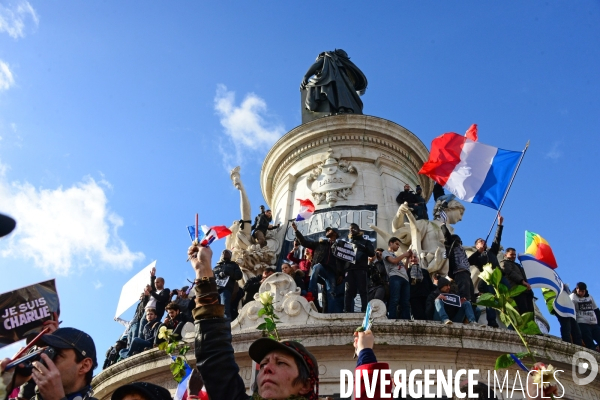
(507, 190)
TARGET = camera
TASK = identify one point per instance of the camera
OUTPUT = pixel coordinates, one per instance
(27, 360)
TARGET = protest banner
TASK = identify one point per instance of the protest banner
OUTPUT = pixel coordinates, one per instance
(345, 251)
(130, 294)
(23, 311)
(452, 299)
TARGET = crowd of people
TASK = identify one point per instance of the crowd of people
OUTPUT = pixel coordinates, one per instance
(335, 285)
(287, 370)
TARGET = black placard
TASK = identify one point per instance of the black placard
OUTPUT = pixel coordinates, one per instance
(345, 251)
(24, 311)
(452, 299)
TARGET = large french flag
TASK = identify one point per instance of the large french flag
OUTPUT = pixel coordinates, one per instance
(472, 171)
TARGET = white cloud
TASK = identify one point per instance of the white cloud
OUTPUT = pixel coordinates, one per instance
(13, 18)
(555, 153)
(98, 285)
(245, 126)
(60, 228)
(6, 76)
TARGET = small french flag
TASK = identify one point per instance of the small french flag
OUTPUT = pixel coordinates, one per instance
(307, 209)
(213, 233)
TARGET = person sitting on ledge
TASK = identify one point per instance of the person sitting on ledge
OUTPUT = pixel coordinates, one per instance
(147, 338)
(437, 310)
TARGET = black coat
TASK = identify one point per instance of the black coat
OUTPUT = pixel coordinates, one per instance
(406, 196)
(230, 269)
(430, 305)
(513, 272)
(162, 298)
(423, 288)
(251, 288)
(323, 254)
(490, 255)
(438, 191)
(364, 250)
(263, 223)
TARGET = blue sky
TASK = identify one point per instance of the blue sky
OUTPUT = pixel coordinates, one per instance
(119, 121)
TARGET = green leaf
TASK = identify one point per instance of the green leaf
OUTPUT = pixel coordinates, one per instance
(262, 326)
(502, 288)
(514, 314)
(270, 325)
(504, 361)
(267, 320)
(517, 290)
(504, 318)
(528, 316)
(163, 345)
(488, 303)
(261, 312)
(487, 296)
(531, 329)
(496, 277)
(184, 350)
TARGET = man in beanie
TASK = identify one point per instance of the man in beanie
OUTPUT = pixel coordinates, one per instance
(437, 310)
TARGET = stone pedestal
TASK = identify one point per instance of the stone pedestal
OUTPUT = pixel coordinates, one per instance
(347, 160)
(407, 345)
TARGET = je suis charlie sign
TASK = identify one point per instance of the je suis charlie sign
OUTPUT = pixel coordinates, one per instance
(23, 311)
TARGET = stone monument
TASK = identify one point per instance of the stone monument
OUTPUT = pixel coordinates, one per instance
(351, 166)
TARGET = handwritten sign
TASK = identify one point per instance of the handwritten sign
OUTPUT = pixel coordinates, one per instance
(345, 251)
(24, 311)
(452, 299)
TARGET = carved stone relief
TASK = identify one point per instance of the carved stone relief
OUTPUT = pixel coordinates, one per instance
(332, 180)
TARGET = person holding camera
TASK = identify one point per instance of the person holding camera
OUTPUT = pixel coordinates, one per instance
(63, 371)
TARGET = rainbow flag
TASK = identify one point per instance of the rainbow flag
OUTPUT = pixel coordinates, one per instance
(539, 248)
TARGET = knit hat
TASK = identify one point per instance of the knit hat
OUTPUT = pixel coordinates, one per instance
(442, 282)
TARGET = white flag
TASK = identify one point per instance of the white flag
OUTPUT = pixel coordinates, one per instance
(130, 294)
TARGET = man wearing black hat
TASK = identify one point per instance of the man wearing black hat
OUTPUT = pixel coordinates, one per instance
(326, 266)
(69, 374)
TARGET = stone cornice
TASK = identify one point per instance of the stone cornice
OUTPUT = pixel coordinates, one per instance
(342, 131)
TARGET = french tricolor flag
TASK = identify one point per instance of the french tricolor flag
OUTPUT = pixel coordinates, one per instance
(213, 233)
(307, 209)
(472, 171)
